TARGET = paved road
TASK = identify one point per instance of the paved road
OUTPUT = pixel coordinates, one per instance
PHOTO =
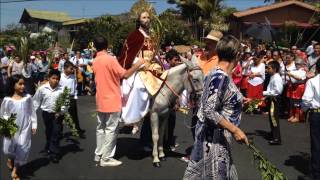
(292, 157)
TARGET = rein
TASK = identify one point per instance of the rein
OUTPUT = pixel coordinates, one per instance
(189, 77)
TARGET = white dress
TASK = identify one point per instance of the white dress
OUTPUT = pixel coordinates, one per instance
(19, 146)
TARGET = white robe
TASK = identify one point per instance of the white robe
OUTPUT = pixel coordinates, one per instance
(135, 99)
(19, 146)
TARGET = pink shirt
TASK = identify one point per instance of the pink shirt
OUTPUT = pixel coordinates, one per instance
(108, 74)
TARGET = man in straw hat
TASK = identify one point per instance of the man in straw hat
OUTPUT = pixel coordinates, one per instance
(210, 59)
(206, 61)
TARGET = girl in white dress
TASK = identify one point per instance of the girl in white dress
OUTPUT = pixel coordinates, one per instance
(18, 147)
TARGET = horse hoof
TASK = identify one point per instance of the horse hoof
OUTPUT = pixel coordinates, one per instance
(156, 164)
(162, 158)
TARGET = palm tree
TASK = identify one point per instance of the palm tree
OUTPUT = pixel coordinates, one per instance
(202, 14)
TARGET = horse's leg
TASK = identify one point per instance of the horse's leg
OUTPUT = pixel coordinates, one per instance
(163, 125)
(154, 119)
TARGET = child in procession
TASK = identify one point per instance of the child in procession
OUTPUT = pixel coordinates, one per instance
(45, 98)
(68, 80)
(272, 94)
(18, 147)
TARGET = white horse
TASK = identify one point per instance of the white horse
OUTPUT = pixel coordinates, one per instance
(181, 77)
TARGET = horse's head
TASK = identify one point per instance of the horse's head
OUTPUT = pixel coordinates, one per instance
(194, 83)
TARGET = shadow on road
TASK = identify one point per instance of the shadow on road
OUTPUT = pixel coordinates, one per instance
(70, 148)
(264, 134)
(301, 162)
(27, 171)
(131, 148)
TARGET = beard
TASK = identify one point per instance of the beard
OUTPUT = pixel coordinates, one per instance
(145, 26)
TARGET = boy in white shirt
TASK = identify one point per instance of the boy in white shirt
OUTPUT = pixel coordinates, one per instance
(311, 102)
(45, 98)
(274, 90)
(68, 80)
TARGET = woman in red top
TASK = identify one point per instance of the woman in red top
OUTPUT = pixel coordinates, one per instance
(237, 75)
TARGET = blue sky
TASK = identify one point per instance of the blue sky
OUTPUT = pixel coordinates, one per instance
(11, 12)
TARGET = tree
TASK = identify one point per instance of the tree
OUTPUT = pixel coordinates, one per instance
(105, 26)
(203, 14)
(177, 32)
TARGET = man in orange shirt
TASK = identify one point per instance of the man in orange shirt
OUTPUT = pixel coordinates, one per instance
(206, 61)
(108, 74)
(209, 59)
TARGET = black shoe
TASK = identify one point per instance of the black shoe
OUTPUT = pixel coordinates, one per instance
(275, 142)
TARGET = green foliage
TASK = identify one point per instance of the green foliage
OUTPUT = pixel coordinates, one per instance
(23, 49)
(176, 32)
(267, 169)
(105, 26)
(61, 108)
(8, 126)
(43, 41)
(253, 105)
(14, 34)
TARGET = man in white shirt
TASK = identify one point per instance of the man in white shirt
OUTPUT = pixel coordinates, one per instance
(69, 80)
(312, 60)
(45, 98)
(64, 58)
(311, 102)
(273, 92)
(309, 49)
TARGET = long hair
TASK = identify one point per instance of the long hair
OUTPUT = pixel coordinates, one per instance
(11, 83)
(139, 24)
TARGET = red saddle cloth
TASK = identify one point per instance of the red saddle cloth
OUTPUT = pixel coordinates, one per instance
(130, 49)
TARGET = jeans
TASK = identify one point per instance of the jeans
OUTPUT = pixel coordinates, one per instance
(106, 132)
(314, 119)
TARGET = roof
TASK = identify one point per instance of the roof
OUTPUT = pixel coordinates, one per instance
(274, 6)
(45, 15)
(280, 24)
(75, 21)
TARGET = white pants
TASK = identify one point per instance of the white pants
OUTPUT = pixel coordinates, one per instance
(107, 131)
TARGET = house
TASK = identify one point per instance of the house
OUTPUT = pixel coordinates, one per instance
(296, 13)
(38, 20)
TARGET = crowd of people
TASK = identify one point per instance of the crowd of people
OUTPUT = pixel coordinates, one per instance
(36, 67)
(235, 73)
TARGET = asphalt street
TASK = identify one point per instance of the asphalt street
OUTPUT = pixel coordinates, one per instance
(292, 157)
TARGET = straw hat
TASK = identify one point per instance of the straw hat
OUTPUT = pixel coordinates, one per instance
(214, 36)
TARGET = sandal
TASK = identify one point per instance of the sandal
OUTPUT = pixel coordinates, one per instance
(10, 164)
